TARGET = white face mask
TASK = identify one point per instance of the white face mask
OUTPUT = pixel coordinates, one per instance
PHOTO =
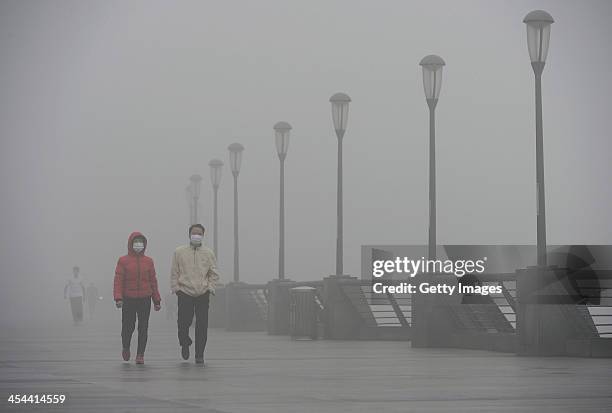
(196, 240)
(138, 246)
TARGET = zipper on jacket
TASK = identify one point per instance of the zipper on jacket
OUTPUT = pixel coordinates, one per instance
(138, 279)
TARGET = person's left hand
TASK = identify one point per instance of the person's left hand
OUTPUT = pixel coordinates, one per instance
(157, 307)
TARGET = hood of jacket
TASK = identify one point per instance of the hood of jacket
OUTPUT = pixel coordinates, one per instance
(131, 240)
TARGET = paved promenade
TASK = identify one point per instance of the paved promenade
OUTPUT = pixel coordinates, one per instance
(254, 372)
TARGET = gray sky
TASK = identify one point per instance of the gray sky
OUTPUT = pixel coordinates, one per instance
(108, 107)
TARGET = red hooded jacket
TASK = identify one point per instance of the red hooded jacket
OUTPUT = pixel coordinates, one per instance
(135, 274)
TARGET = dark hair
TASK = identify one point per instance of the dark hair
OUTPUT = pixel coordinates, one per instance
(196, 226)
(139, 237)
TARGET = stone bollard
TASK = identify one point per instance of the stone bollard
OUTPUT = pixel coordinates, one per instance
(543, 304)
(278, 306)
(341, 322)
(431, 320)
(234, 311)
(217, 316)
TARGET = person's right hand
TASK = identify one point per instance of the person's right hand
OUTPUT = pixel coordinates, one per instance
(118, 303)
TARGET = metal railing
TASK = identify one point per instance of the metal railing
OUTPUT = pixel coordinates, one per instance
(602, 319)
(378, 309)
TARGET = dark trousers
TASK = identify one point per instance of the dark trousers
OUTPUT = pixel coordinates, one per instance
(76, 305)
(135, 308)
(187, 307)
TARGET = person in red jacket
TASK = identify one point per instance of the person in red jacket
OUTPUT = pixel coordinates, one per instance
(134, 288)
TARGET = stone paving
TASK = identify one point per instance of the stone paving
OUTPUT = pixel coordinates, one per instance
(254, 372)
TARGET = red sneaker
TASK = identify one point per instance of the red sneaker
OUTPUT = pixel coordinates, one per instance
(139, 358)
(125, 354)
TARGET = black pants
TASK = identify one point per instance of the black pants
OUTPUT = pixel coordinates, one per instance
(187, 307)
(135, 308)
(76, 306)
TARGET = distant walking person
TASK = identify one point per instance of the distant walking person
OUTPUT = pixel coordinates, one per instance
(134, 287)
(193, 278)
(76, 292)
(92, 298)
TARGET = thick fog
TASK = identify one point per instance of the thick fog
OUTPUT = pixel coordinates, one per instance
(108, 107)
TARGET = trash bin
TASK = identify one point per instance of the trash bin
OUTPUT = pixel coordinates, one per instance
(303, 313)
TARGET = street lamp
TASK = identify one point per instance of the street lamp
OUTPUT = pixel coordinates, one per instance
(538, 36)
(216, 167)
(189, 197)
(432, 82)
(340, 104)
(195, 192)
(235, 156)
(282, 131)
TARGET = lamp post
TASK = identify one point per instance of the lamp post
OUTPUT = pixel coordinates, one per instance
(340, 104)
(538, 36)
(195, 192)
(432, 82)
(216, 166)
(282, 131)
(189, 198)
(235, 156)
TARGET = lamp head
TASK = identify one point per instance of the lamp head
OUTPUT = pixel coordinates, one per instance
(235, 154)
(340, 103)
(282, 131)
(538, 24)
(216, 166)
(195, 184)
(432, 76)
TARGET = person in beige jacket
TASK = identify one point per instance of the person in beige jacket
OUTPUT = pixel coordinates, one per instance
(193, 278)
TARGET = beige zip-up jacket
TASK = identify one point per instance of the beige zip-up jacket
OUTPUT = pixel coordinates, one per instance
(194, 270)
